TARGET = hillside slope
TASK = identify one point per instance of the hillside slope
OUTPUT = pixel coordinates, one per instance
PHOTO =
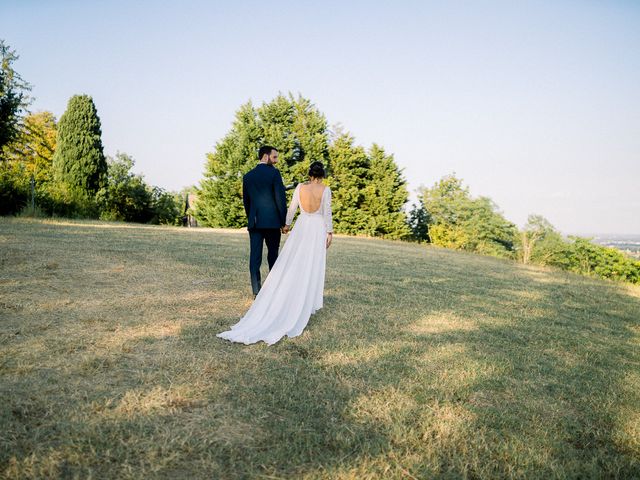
(424, 363)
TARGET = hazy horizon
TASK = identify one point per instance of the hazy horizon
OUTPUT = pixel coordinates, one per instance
(534, 105)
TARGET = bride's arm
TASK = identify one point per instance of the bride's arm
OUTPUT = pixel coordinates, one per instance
(328, 217)
(292, 207)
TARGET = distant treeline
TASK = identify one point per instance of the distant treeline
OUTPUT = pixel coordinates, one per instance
(448, 216)
(59, 168)
(50, 168)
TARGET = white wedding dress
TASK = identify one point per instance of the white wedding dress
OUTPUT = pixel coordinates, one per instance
(294, 288)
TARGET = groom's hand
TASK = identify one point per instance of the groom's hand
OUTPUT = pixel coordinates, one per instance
(285, 229)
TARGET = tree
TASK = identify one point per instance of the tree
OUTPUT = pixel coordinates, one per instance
(166, 207)
(34, 145)
(28, 156)
(13, 96)
(447, 201)
(489, 231)
(79, 162)
(220, 190)
(14, 188)
(456, 220)
(292, 125)
(447, 206)
(385, 196)
(348, 180)
(126, 196)
(538, 241)
(369, 191)
(418, 222)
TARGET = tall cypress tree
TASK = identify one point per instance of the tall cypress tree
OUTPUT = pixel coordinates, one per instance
(293, 125)
(385, 196)
(79, 161)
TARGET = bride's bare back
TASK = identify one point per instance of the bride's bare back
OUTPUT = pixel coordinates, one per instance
(311, 196)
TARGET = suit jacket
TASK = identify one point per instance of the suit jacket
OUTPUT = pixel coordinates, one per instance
(265, 202)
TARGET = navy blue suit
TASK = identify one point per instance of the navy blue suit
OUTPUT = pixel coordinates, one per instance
(265, 204)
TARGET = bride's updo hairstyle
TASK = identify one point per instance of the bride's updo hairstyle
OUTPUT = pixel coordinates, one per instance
(316, 170)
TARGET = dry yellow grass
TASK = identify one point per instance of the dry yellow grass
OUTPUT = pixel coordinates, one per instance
(424, 363)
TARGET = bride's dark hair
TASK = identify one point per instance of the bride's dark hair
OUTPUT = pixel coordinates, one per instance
(316, 170)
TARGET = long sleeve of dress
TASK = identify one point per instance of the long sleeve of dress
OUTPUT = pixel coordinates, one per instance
(295, 202)
(328, 217)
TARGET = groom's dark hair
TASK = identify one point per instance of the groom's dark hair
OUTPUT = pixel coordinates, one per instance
(265, 150)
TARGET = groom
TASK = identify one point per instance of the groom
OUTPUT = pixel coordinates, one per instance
(266, 206)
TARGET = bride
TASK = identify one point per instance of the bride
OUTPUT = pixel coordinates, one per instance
(294, 287)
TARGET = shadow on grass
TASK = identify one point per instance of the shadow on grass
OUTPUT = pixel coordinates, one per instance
(423, 363)
(518, 377)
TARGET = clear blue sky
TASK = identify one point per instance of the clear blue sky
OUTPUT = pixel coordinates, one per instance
(534, 104)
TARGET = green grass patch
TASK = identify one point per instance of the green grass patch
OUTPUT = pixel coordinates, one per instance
(424, 363)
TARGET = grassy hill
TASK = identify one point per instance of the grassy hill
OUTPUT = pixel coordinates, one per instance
(424, 363)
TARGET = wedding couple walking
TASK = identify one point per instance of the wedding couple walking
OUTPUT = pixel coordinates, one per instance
(294, 288)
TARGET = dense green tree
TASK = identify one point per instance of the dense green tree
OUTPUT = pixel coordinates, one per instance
(490, 232)
(461, 222)
(13, 96)
(292, 125)
(28, 157)
(220, 190)
(126, 196)
(34, 145)
(385, 195)
(350, 167)
(79, 162)
(14, 188)
(299, 131)
(447, 201)
(418, 222)
(447, 205)
(166, 207)
(369, 191)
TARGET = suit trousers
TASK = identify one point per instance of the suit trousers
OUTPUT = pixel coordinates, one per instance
(270, 236)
